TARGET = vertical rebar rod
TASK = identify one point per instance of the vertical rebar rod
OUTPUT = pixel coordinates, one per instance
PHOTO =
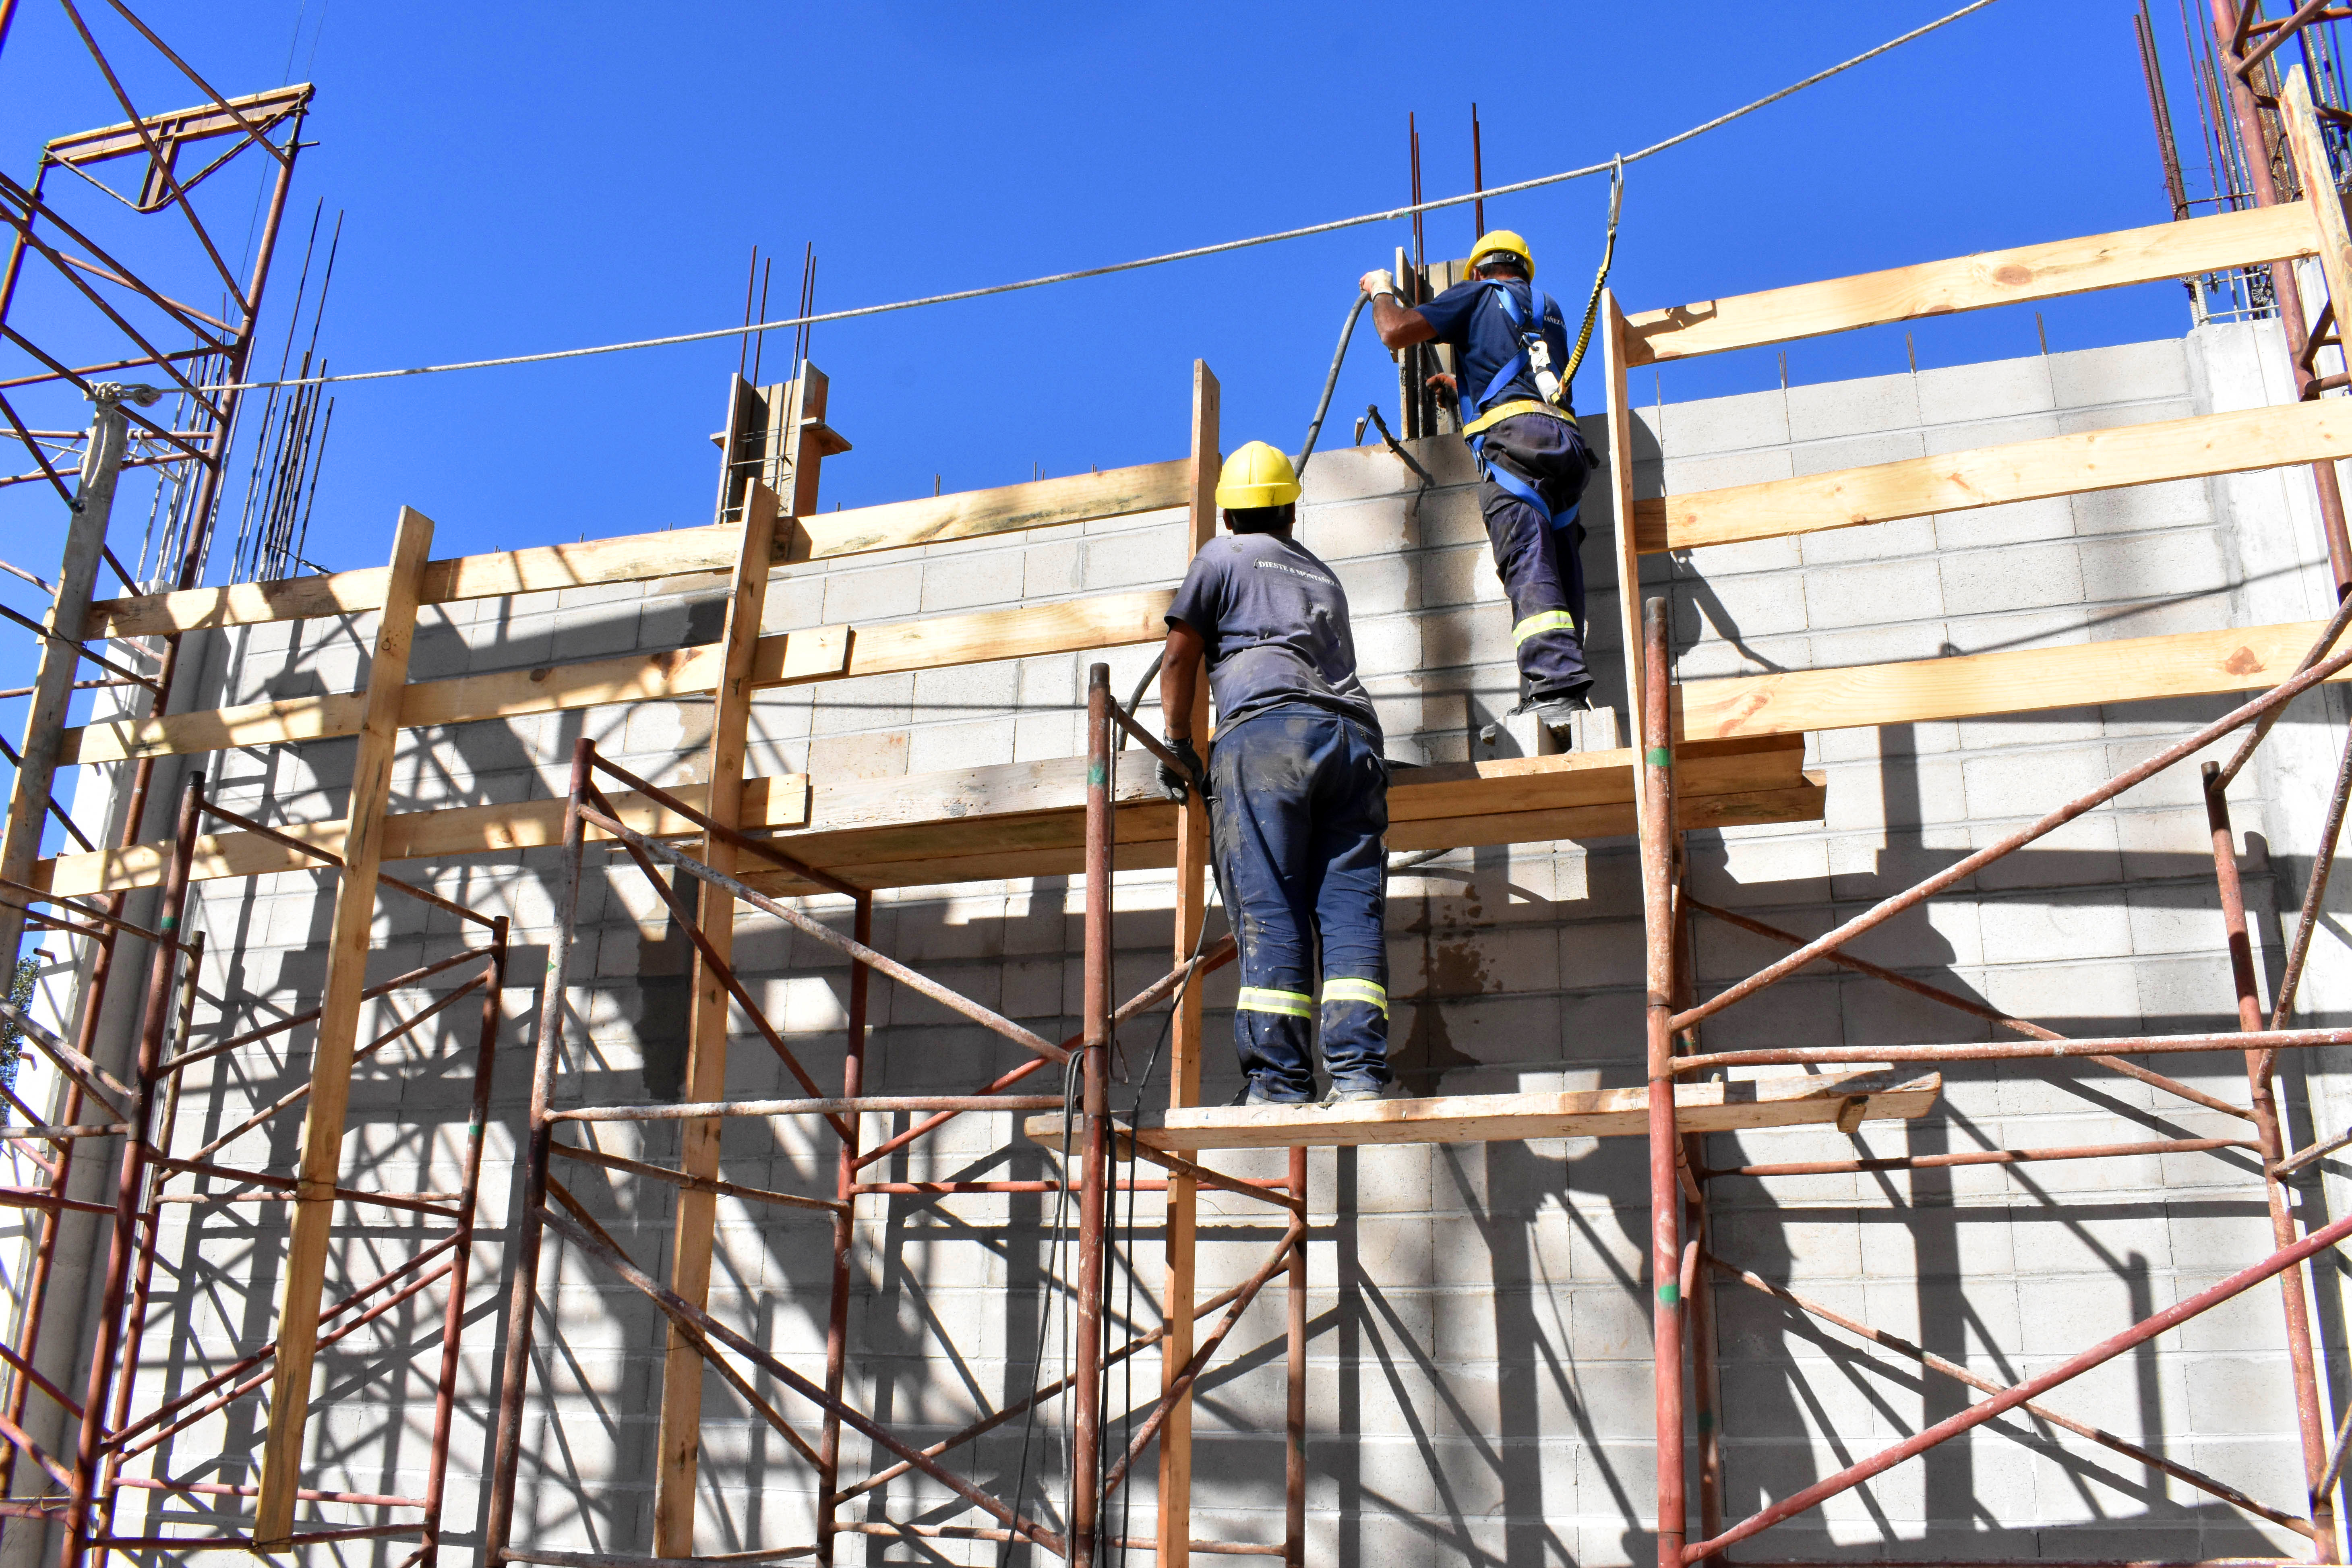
(453, 1317)
(514, 1375)
(844, 1236)
(2300, 1360)
(1086, 1446)
(1294, 1450)
(1657, 829)
(130, 1185)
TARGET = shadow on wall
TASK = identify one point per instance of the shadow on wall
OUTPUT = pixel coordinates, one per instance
(1507, 1402)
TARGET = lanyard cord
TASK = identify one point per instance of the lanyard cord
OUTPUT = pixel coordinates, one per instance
(1599, 279)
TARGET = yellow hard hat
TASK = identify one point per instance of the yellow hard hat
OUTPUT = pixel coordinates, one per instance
(1506, 241)
(1258, 476)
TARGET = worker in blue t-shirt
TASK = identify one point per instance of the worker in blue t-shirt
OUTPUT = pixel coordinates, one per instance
(1512, 349)
(1298, 795)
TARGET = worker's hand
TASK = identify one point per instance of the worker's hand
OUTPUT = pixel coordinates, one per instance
(1174, 784)
(1377, 281)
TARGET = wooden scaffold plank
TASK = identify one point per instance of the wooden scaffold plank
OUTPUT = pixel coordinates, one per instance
(312, 1223)
(1843, 1100)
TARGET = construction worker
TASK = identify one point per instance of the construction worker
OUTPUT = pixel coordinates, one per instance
(1512, 347)
(1297, 790)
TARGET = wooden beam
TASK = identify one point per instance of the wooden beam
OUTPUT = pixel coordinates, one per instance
(785, 658)
(679, 1445)
(1795, 1100)
(1010, 808)
(321, 1161)
(2019, 681)
(970, 514)
(2189, 449)
(1614, 346)
(649, 557)
(2018, 276)
(1192, 859)
(451, 831)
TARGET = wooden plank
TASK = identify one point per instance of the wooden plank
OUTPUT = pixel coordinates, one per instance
(452, 831)
(970, 811)
(2016, 275)
(1794, 1100)
(970, 514)
(785, 658)
(320, 1162)
(1192, 859)
(2189, 449)
(2019, 681)
(678, 1448)
(648, 557)
(2321, 200)
(1613, 345)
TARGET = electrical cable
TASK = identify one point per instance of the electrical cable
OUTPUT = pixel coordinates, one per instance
(1222, 248)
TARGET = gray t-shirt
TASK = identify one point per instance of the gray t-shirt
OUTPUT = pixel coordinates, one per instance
(1274, 620)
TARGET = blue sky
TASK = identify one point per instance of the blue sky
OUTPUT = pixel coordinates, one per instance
(523, 177)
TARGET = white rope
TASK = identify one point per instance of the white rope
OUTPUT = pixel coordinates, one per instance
(1197, 251)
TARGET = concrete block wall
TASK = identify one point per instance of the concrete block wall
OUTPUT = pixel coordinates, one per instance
(1480, 1373)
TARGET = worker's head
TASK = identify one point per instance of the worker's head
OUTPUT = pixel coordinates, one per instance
(1258, 491)
(1501, 253)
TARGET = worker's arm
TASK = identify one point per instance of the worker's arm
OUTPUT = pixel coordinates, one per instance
(1180, 681)
(1397, 325)
(1180, 686)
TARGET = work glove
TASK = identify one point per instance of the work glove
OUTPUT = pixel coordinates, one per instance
(1378, 281)
(1174, 783)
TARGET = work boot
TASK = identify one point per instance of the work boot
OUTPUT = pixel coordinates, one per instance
(1355, 1093)
(1557, 712)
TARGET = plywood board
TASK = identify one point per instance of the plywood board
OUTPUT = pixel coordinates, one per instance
(1790, 1101)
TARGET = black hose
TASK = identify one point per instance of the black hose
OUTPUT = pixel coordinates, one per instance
(1339, 357)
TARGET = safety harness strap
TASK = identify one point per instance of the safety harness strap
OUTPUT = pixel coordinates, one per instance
(1529, 322)
(1512, 483)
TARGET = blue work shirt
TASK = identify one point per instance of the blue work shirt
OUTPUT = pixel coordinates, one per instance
(1273, 621)
(1469, 318)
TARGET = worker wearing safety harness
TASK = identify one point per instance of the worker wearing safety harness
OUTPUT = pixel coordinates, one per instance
(1298, 795)
(1512, 346)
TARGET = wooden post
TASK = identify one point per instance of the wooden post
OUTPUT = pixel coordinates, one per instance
(680, 1441)
(1612, 326)
(59, 664)
(2319, 176)
(338, 1018)
(1175, 1527)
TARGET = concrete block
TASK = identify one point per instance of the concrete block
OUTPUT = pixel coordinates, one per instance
(967, 582)
(2154, 566)
(1978, 582)
(1831, 409)
(1994, 388)
(1726, 424)
(1859, 452)
(2130, 373)
(2019, 522)
(1893, 591)
(874, 594)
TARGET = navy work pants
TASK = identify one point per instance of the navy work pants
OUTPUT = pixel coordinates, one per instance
(1301, 801)
(1540, 559)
